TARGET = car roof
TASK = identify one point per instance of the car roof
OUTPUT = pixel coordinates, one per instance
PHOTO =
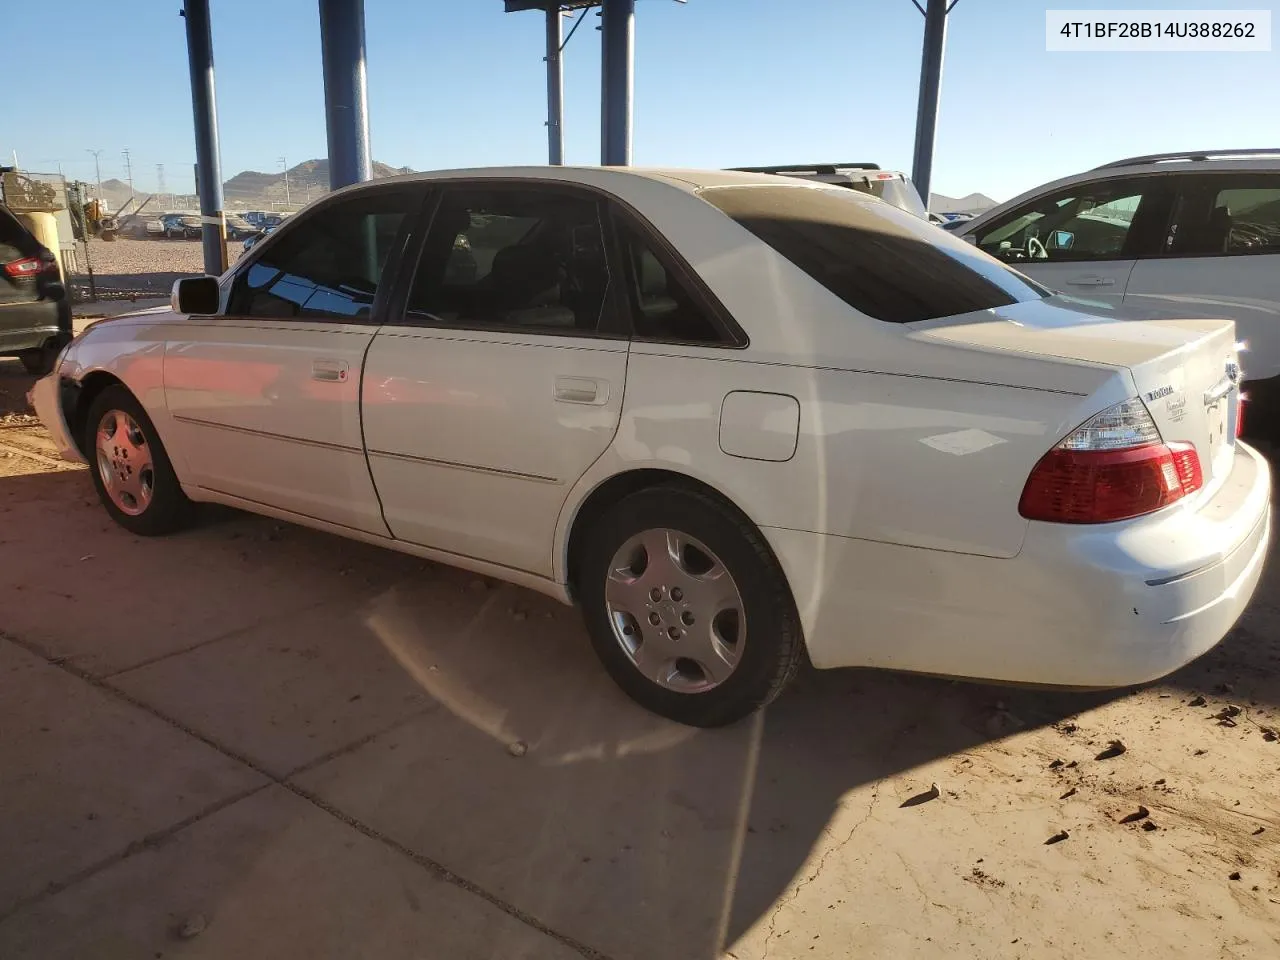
(690, 180)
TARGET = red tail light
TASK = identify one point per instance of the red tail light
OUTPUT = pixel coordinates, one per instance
(1099, 486)
(1240, 415)
(26, 267)
(1112, 468)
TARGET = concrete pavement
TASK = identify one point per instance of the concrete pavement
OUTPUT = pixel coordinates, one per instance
(252, 740)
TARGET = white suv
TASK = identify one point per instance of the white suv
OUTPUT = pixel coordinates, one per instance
(1191, 234)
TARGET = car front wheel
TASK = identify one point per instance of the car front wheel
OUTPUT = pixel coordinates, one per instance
(687, 607)
(130, 468)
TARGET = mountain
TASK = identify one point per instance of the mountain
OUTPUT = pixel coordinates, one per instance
(973, 203)
(306, 181)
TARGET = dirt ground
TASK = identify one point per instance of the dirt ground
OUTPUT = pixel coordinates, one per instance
(252, 740)
(124, 269)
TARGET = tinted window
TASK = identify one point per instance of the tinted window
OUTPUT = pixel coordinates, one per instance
(1088, 222)
(327, 265)
(1227, 215)
(878, 259)
(513, 258)
(662, 307)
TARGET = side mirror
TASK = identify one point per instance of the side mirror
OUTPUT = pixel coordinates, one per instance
(195, 295)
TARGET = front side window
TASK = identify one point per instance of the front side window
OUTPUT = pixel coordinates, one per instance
(513, 258)
(1235, 215)
(328, 265)
(1088, 222)
(878, 259)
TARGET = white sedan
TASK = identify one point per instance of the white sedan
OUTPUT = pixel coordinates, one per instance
(738, 419)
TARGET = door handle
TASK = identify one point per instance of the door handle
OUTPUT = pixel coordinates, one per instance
(581, 390)
(330, 371)
(1092, 281)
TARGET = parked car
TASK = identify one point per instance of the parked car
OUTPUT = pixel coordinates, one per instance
(891, 186)
(175, 226)
(141, 227)
(1185, 234)
(35, 316)
(253, 238)
(736, 419)
(239, 228)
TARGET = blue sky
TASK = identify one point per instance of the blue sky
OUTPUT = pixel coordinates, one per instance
(718, 83)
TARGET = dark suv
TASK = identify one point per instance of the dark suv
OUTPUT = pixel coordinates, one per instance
(35, 317)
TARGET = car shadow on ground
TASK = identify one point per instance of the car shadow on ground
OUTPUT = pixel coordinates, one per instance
(14, 384)
(519, 768)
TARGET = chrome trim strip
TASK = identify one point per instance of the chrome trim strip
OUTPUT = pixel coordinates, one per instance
(474, 468)
(322, 444)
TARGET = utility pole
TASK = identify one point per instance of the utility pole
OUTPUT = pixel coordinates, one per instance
(204, 110)
(97, 169)
(346, 96)
(935, 39)
(555, 86)
(128, 167)
(160, 182)
(284, 165)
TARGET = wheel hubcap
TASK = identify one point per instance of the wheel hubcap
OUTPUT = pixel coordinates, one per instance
(124, 462)
(675, 610)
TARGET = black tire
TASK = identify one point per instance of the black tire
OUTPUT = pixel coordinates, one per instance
(169, 509)
(1262, 411)
(773, 643)
(39, 362)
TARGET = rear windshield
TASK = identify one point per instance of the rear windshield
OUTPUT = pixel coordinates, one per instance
(878, 259)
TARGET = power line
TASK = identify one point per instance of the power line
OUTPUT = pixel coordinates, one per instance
(128, 167)
(97, 169)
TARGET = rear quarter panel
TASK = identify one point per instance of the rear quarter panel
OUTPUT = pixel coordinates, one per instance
(898, 459)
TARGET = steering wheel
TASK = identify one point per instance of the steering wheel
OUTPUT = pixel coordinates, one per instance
(1036, 249)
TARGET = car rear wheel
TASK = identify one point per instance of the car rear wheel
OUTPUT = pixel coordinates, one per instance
(39, 361)
(687, 607)
(130, 468)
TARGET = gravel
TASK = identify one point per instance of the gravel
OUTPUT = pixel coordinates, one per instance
(125, 269)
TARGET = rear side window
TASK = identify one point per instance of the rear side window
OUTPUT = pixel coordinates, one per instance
(519, 258)
(1235, 215)
(662, 307)
(327, 266)
(878, 259)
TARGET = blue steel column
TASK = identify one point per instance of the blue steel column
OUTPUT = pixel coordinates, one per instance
(205, 111)
(555, 87)
(617, 46)
(935, 38)
(346, 99)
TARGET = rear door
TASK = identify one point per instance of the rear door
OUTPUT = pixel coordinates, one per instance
(1221, 258)
(501, 380)
(1086, 239)
(265, 397)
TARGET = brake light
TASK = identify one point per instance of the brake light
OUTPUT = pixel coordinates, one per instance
(1240, 415)
(26, 267)
(1114, 467)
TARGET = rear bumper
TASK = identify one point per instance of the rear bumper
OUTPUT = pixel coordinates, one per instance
(1102, 606)
(26, 326)
(46, 397)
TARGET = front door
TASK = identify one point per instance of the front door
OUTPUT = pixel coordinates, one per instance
(502, 382)
(265, 397)
(1084, 240)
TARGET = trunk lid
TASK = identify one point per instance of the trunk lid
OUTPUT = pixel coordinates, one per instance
(1186, 371)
